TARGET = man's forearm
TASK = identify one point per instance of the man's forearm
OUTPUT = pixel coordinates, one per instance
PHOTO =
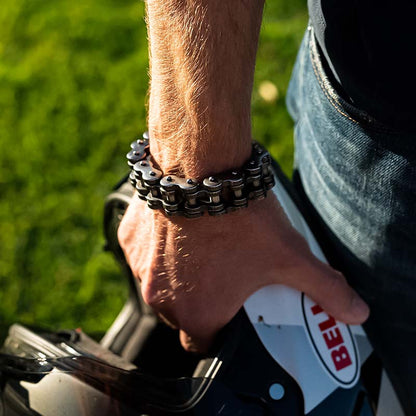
(202, 58)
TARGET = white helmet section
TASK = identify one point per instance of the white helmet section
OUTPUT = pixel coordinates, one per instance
(320, 353)
(59, 393)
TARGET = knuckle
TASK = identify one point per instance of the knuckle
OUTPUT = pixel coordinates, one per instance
(153, 295)
(122, 235)
(336, 281)
(190, 346)
(149, 294)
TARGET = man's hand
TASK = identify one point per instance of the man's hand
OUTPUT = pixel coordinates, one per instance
(197, 273)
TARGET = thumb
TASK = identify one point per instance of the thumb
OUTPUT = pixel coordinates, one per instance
(331, 291)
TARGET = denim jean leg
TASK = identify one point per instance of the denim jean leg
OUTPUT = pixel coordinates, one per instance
(360, 178)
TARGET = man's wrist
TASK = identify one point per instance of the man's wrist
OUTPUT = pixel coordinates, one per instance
(198, 159)
(226, 191)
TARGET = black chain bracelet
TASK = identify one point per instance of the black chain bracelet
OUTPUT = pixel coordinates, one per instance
(217, 194)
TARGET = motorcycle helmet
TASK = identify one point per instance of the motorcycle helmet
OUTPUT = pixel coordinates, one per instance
(280, 355)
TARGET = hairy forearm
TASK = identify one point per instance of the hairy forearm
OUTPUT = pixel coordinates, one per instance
(202, 58)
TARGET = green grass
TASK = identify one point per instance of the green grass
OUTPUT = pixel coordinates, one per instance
(73, 80)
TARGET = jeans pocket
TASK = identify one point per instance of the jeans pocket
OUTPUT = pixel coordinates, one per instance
(345, 108)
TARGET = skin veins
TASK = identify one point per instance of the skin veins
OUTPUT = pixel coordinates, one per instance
(196, 274)
(202, 57)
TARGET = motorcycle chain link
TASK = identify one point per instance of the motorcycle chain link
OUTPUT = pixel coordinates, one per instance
(217, 194)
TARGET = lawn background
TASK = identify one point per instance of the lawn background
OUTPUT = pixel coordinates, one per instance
(73, 81)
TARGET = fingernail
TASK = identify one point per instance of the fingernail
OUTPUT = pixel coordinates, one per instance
(360, 308)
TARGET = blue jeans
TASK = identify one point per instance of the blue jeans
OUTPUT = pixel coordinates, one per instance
(359, 178)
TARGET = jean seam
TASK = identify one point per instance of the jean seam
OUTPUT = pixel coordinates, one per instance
(332, 100)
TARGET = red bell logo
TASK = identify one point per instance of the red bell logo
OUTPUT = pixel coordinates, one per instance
(333, 338)
(333, 344)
